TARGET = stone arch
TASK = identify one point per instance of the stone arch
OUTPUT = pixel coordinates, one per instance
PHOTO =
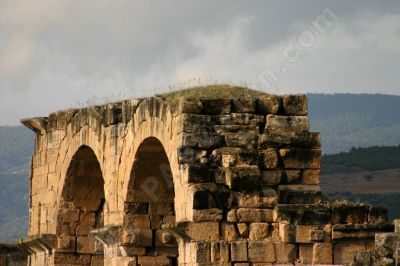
(150, 204)
(69, 147)
(146, 124)
(81, 210)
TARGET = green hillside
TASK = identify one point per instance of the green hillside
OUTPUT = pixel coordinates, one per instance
(362, 159)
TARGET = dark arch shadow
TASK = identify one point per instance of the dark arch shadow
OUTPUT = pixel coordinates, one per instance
(81, 211)
(150, 202)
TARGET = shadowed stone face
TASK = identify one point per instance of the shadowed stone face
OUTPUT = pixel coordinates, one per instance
(81, 209)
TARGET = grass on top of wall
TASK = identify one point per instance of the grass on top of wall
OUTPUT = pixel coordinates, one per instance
(213, 91)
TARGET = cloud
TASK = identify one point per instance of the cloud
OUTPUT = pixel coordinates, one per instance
(57, 54)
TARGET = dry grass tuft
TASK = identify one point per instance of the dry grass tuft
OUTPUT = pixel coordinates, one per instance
(214, 91)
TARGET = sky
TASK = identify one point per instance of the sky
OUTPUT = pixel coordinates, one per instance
(69, 53)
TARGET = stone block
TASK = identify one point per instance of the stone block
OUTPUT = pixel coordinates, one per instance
(138, 221)
(231, 216)
(287, 232)
(271, 177)
(322, 253)
(200, 231)
(164, 239)
(269, 158)
(295, 105)
(239, 119)
(305, 214)
(282, 124)
(249, 215)
(88, 218)
(154, 260)
(139, 208)
(141, 237)
(216, 106)
(261, 251)
(155, 222)
(277, 140)
(207, 215)
(396, 223)
(358, 231)
(299, 194)
(267, 198)
(186, 106)
(274, 232)
(134, 251)
(285, 253)
(71, 259)
(66, 244)
(228, 232)
(387, 243)
(243, 178)
(68, 216)
(83, 229)
(220, 252)
(303, 233)
(231, 156)
(198, 173)
(243, 105)
(238, 251)
(203, 199)
(377, 215)
(223, 198)
(292, 177)
(243, 230)
(310, 177)
(295, 158)
(317, 235)
(352, 213)
(345, 251)
(259, 231)
(202, 140)
(241, 139)
(306, 253)
(268, 104)
(86, 245)
(97, 261)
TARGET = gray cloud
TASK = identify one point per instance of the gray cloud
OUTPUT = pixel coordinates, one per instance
(57, 54)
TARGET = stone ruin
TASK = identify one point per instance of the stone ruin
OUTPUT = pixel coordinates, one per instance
(191, 181)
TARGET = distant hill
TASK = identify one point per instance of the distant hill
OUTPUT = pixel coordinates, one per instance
(344, 120)
(16, 147)
(362, 159)
(355, 120)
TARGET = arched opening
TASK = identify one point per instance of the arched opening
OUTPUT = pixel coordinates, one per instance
(81, 211)
(150, 205)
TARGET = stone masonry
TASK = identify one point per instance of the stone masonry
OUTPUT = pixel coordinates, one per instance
(156, 181)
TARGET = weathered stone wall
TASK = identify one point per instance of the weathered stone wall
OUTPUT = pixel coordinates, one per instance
(190, 181)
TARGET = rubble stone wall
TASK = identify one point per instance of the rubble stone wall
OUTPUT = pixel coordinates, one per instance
(190, 182)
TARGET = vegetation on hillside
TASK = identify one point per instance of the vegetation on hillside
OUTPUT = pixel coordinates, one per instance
(362, 159)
